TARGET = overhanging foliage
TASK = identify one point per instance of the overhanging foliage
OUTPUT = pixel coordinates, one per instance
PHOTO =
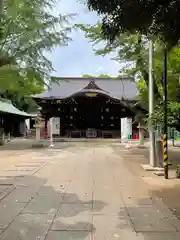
(132, 51)
(29, 29)
(155, 17)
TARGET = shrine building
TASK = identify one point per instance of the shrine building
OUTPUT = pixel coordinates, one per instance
(86, 107)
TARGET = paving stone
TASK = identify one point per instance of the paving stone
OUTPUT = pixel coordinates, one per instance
(145, 236)
(79, 196)
(129, 198)
(47, 200)
(164, 208)
(101, 208)
(69, 235)
(150, 219)
(6, 191)
(3, 188)
(85, 185)
(28, 165)
(90, 189)
(41, 206)
(154, 216)
(12, 174)
(22, 194)
(9, 210)
(153, 225)
(110, 196)
(160, 236)
(28, 227)
(76, 217)
(144, 212)
(176, 223)
(31, 181)
(7, 180)
(56, 186)
(23, 169)
(51, 191)
(111, 227)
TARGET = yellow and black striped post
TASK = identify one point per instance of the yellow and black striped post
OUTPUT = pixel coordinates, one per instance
(165, 154)
(165, 135)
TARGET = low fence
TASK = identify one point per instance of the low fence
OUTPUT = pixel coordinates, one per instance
(172, 133)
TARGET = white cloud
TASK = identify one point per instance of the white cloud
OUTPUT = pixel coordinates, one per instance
(100, 69)
(78, 58)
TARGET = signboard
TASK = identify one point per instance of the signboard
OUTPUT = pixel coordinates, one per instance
(129, 127)
(126, 128)
(91, 94)
(123, 128)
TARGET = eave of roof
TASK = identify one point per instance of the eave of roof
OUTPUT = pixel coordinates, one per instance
(7, 107)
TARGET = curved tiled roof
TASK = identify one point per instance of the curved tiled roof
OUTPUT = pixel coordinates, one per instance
(122, 88)
(7, 107)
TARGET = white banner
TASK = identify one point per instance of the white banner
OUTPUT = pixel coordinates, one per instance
(123, 128)
(126, 128)
(55, 125)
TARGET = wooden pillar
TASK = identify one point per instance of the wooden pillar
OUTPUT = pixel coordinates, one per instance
(59, 126)
(46, 128)
(141, 136)
(141, 133)
(2, 131)
(38, 133)
(9, 130)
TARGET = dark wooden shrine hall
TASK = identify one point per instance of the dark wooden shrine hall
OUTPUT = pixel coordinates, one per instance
(94, 105)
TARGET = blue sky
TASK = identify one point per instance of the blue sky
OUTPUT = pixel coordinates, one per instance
(78, 58)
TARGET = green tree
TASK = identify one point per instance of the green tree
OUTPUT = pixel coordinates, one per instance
(132, 50)
(20, 95)
(29, 31)
(147, 16)
(100, 76)
(87, 76)
(129, 49)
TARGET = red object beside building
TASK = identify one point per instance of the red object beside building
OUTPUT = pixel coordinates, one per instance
(136, 137)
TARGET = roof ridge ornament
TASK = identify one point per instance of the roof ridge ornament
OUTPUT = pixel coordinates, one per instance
(92, 80)
(92, 85)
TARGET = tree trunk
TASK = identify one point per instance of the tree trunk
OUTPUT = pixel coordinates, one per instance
(146, 79)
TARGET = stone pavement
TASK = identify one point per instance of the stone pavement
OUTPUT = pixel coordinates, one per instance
(79, 191)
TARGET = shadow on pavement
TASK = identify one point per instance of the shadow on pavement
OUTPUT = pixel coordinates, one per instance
(32, 210)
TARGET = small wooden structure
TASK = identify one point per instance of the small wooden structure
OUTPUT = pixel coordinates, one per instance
(10, 118)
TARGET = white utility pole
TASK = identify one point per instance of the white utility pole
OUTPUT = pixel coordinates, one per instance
(152, 153)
